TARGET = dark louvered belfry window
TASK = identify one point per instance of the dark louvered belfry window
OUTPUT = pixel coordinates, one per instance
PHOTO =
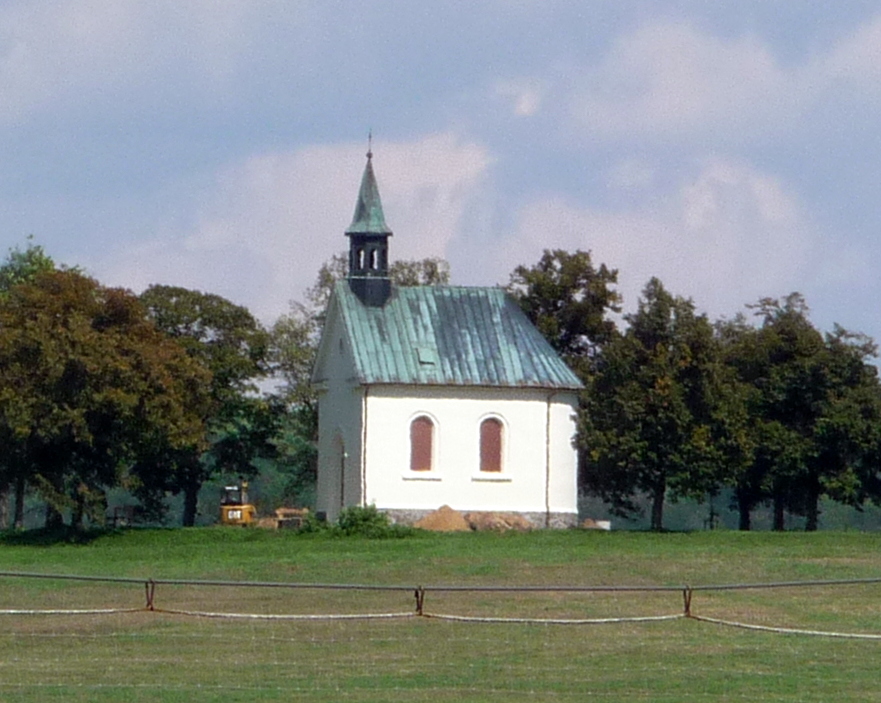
(421, 440)
(491, 445)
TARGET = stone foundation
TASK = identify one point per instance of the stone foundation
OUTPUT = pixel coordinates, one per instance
(554, 521)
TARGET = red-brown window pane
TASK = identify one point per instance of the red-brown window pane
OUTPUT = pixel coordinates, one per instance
(421, 435)
(491, 445)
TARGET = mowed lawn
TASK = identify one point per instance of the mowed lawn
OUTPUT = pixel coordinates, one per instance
(168, 656)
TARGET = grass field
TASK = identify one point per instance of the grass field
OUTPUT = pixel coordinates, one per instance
(152, 656)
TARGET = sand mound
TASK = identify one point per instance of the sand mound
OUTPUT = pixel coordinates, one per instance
(444, 519)
(498, 521)
(590, 524)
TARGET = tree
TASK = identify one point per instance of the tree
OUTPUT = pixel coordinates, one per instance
(23, 266)
(233, 348)
(815, 407)
(424, 272)
(19, 267)
(88, 387)
(648, 419)
(569, 301)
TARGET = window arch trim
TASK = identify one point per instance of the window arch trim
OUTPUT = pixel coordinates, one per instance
(422, 444)
(492, 439)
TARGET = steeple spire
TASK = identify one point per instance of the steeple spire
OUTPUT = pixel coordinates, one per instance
(368, 218)
(368, 241)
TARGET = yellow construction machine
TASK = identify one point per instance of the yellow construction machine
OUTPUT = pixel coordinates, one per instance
(236, 510)
(234, 506)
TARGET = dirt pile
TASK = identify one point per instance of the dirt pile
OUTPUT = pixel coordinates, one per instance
(444, 519)
(499, 522)
(591, 524)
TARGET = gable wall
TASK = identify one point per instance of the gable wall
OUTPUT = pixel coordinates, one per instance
(340, 407)
(539, 460)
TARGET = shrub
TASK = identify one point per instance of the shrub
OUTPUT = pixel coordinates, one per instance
(312, 524)
(369, 522)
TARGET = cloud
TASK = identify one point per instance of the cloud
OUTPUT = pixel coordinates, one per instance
(726, 237)
(122, 54)
(676, 81)
(524, 95)
(259, 234)
(855, 61)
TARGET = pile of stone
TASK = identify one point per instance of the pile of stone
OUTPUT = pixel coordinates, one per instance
(499, 522)
(445, 519)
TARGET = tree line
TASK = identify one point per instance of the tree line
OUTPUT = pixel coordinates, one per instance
(160, 392)
(678, 406)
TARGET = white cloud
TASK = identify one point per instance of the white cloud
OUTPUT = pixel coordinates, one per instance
(81, 51)
(524, 95)
(260, 236)
(673, 78)
(726, 238)
(632, 174)
(678, 81)
(856, 60)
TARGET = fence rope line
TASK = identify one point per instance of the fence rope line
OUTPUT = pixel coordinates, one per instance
(786, 630)
(552, 621)
(448, 617)
(352, 616)
(270, 616)
(420, 592)
(59, 611)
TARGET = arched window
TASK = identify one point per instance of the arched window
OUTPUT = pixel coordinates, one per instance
(421, 443)
(491, 445)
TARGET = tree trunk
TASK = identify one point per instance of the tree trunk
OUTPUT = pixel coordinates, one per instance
(54, 518)
(812, 507)
(18, 506)
(744, 510)
(4, 508)
(191, 501)
(658, 507)
(78, 513)
(779, 514)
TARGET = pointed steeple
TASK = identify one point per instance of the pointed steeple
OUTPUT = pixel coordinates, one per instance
(368, 218)
(368, 243)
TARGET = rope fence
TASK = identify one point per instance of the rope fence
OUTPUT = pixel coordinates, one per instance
(421, 594)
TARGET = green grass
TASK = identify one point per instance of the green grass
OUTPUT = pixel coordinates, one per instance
(161, 657)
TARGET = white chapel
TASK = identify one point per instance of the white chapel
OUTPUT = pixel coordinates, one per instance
(438, 395)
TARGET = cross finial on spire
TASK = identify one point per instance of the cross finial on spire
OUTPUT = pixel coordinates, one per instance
(370, 144)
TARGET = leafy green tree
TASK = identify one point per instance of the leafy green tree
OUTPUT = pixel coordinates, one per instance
(23, 266)
(424, 272)
(815, 408)
(227, 341)
(88, 386)
(569, 300)
(649, 412)
(18, 267)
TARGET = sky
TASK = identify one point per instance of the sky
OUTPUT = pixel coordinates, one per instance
(730, 148)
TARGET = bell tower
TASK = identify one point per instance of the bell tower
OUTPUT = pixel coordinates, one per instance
(368, 235)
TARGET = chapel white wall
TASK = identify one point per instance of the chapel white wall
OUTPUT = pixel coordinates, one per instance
(539, 459)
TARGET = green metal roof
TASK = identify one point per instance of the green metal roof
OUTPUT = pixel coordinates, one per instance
(448, 335)
(368, 217)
